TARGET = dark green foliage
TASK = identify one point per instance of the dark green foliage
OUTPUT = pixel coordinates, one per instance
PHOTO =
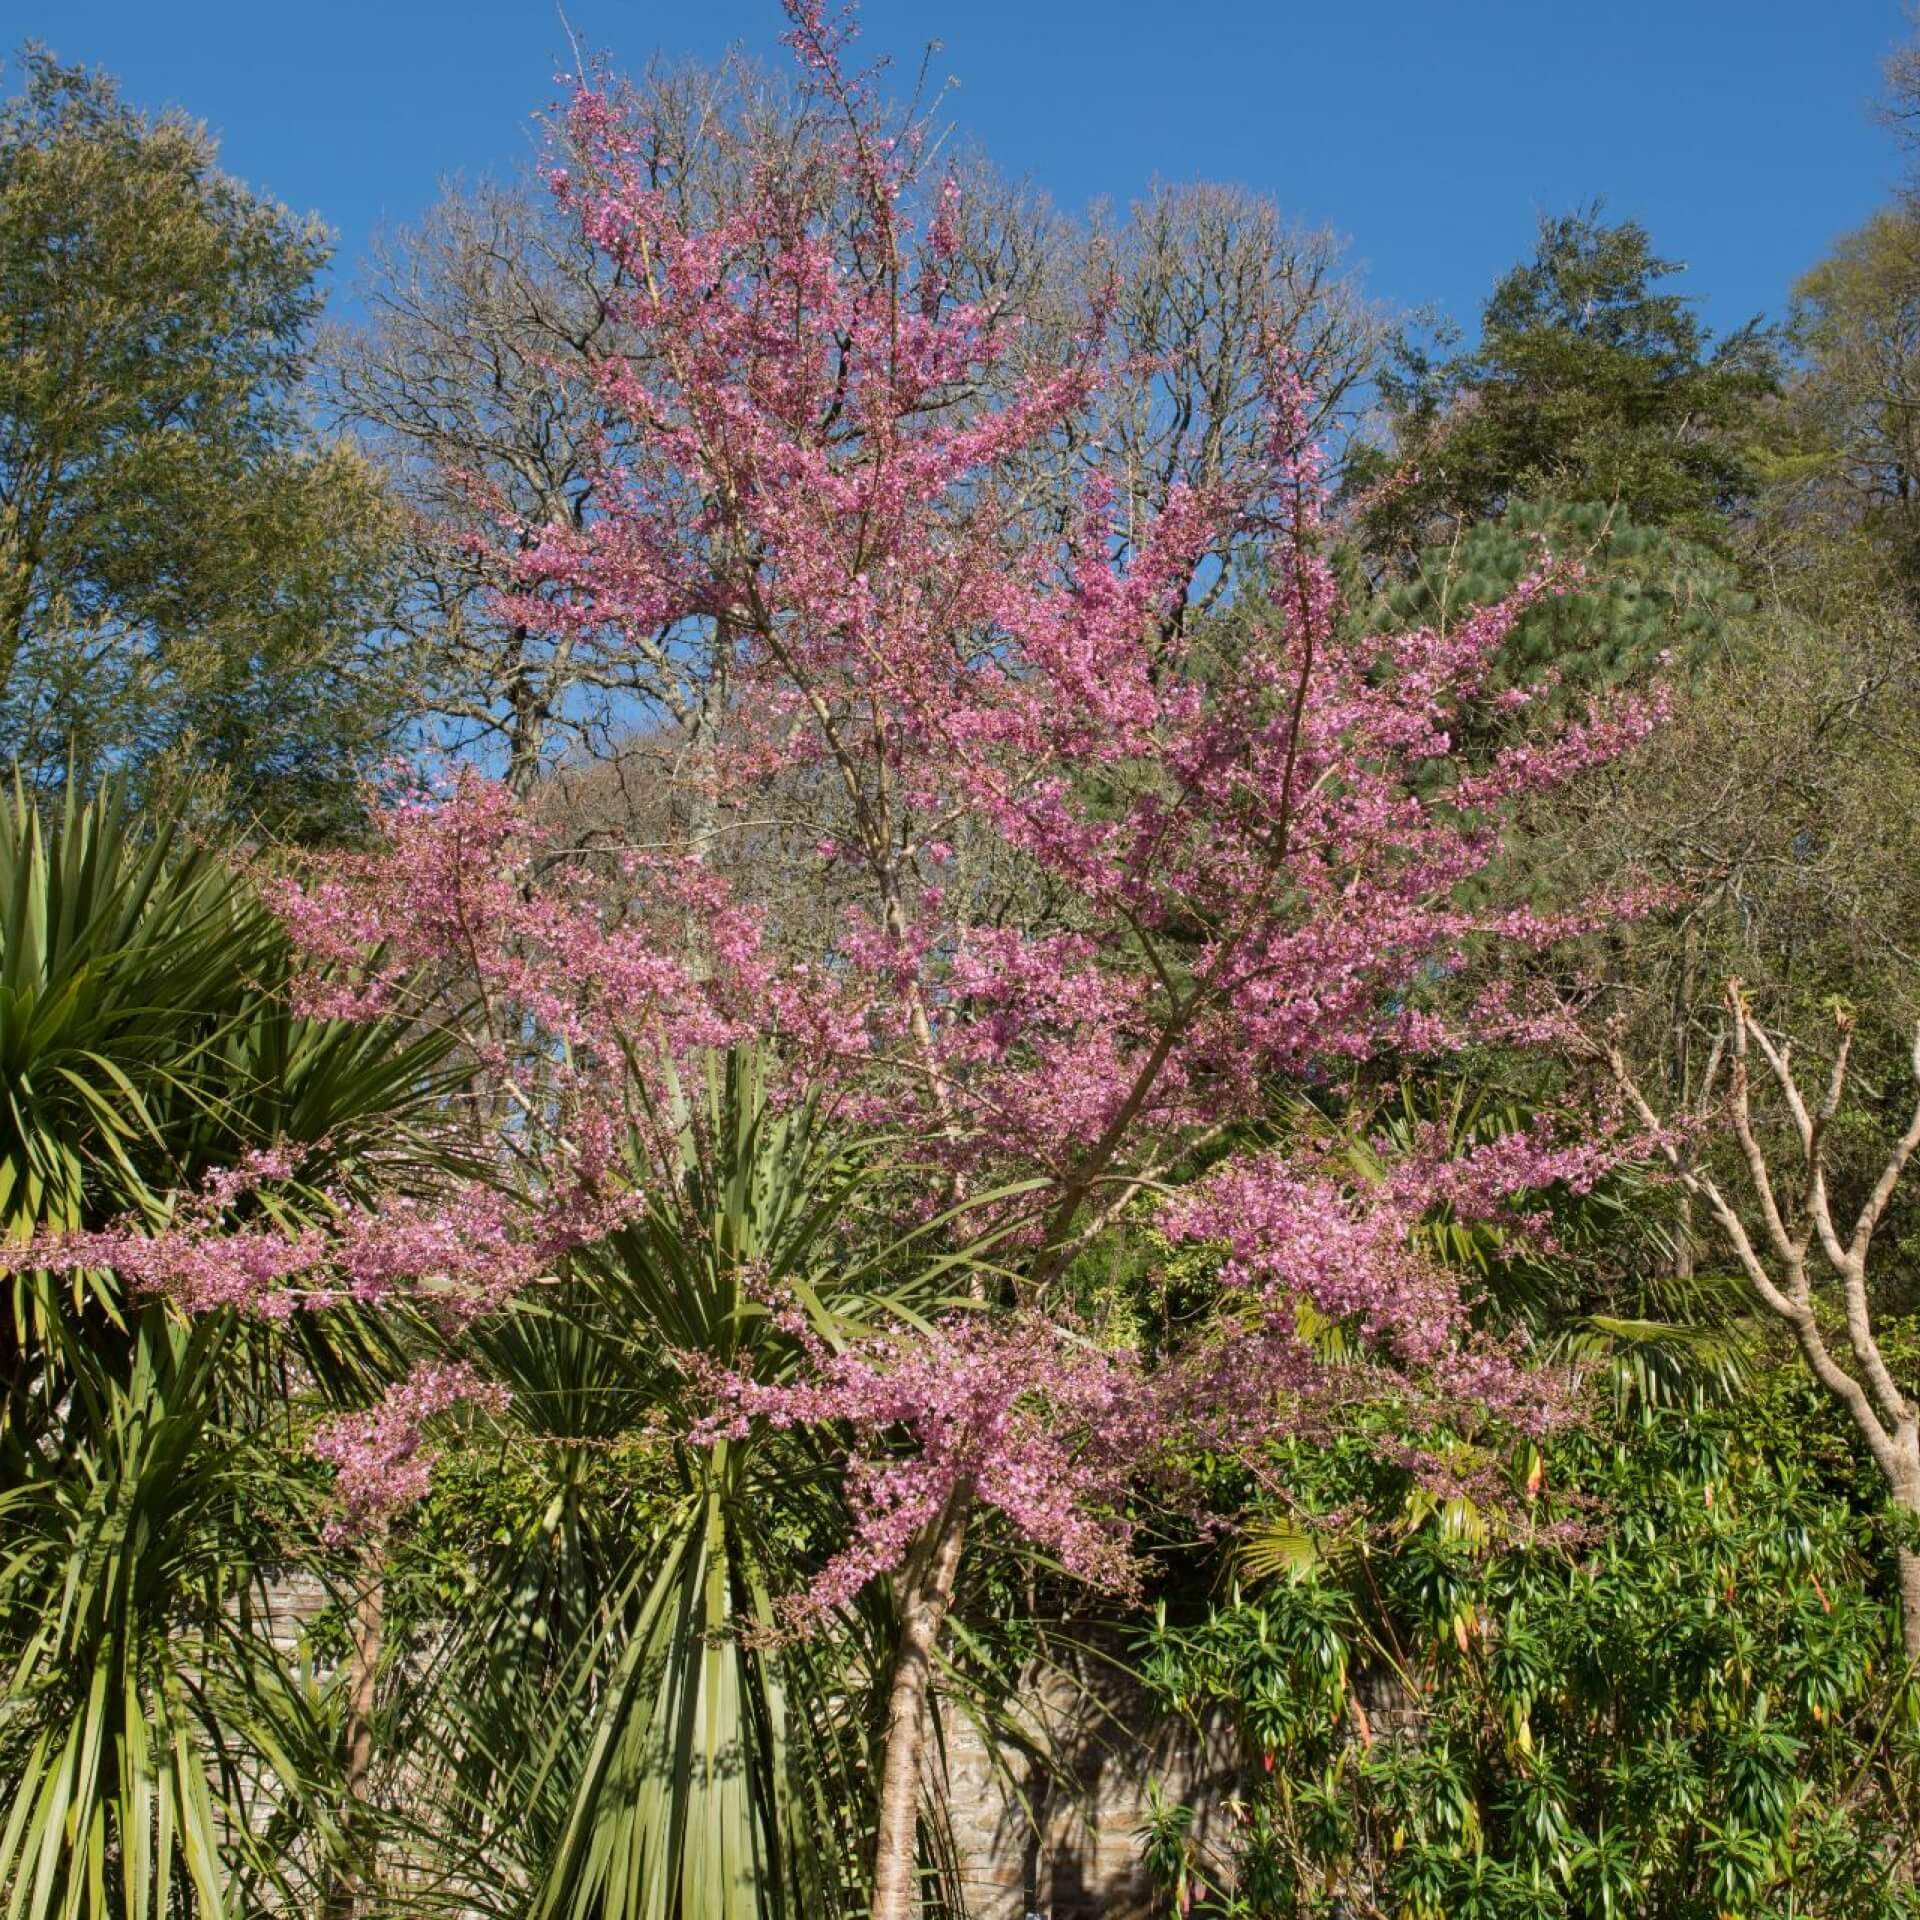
(1853, 461)
(1695, 1708)
(1648, 596)
(1589, 383)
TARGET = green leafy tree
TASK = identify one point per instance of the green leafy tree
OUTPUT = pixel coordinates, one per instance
(1590, 382)
(187, 575)
(1856, 323)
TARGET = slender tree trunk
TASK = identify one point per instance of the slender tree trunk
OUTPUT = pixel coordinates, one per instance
(928, 1595)
(19, 566)
(344, 1892)
(1910, 1603)
(1907, 1499)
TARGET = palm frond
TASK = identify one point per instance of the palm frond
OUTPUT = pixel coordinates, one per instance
(626, 1730)
(159, 1750)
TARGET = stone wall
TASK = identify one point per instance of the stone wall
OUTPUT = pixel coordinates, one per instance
(1062, 1840)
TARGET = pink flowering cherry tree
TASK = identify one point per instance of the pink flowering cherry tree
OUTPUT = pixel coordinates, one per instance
(1213, 861)
(1089, 875)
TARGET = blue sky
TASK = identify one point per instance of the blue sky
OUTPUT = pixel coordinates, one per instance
(1430, 134)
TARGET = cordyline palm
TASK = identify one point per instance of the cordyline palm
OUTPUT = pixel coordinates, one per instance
(157, 1753)
(624, 1732)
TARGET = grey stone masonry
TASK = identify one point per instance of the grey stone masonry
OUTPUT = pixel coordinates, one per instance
(1061, 1840)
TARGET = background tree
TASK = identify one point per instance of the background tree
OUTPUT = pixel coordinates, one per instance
(478, 384)
(188, 578)
(1856, 321)
(1589, 382)
(1202, 283)
(473, 384)
(1778, 804)
(1779, 812)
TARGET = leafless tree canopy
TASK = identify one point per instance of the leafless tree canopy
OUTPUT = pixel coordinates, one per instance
(474, 382)
(1806, 1260)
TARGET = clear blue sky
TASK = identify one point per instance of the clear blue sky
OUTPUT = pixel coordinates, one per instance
(1430, 133)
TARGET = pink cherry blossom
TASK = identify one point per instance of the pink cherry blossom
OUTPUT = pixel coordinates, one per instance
(381, 1458)
(1223, 855)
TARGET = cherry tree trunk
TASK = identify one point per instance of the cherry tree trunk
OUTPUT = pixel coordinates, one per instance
(343, 1900)
(923, 1612)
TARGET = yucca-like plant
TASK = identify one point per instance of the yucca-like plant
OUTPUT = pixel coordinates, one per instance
(159, 1756)
(146, 1037)
(158, 1753)
(623, 1730)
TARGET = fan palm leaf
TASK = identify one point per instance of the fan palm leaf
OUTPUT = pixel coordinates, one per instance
(159, 1752)
(627, 1721)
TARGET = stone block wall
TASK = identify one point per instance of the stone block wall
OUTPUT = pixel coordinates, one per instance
(1062, 1840)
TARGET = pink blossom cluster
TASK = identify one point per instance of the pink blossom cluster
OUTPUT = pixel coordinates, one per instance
(381, 1460)
(464, 886)
(1350, 1250)
(1059, 1433)
(457, 1255)
(460, 1254)
(1032, 1419)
